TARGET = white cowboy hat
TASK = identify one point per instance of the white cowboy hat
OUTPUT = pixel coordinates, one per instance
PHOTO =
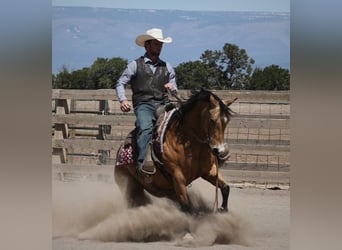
(152, 34)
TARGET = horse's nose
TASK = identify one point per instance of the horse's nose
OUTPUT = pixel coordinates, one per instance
(222, 148)
(222, 152)
(216, 151)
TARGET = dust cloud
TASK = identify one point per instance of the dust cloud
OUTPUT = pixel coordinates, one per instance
(91, 210)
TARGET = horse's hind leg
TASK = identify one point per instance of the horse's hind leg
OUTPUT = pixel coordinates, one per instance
(224, 187)
(130, 187)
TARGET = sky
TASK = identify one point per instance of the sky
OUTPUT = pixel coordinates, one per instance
(207, 5)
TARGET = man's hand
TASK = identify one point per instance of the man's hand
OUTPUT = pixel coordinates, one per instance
(125, 106)
(171, 89)
(169, 86)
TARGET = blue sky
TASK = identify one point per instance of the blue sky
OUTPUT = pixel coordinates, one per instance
(207, 5)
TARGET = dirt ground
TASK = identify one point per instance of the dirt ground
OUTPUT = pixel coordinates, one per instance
(92, 215)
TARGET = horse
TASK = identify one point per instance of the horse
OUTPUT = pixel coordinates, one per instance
(190, 145)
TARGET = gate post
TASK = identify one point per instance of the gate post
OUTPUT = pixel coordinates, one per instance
(62, 107)
(104, 131)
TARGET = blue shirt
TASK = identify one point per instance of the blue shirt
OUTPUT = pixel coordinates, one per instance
(131, 70)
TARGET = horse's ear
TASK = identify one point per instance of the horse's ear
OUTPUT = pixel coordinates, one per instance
(229, 102)
(213, 102)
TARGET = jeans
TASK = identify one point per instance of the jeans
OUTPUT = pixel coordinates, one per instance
(145, 120)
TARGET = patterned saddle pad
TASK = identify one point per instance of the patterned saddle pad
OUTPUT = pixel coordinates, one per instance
(126, 154)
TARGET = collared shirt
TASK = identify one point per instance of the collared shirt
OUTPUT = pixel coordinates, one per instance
(131, 70)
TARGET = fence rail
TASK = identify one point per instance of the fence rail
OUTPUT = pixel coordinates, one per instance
(88, 127)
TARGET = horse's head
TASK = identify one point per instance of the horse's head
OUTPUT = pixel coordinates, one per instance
(210, 119)
(215, 120)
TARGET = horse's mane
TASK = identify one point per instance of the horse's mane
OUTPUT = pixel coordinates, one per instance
(198, 95)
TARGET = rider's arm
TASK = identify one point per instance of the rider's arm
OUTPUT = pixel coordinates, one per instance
(125, 77)
(172, 76)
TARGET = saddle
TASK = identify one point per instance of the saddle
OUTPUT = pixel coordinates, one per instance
(128, 151)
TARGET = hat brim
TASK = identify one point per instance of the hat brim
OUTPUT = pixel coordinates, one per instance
(141, 39)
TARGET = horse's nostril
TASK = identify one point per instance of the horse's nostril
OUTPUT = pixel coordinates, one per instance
(216, 151)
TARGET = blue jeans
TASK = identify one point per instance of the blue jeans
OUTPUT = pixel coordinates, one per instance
(145, 120)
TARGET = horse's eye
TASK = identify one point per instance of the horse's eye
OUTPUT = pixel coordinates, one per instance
(211, 122)
(225, 119)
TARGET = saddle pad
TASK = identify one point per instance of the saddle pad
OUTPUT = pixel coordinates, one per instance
(162, 128)
(125, 156)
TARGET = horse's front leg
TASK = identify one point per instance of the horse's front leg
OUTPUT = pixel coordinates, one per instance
(179, 184)
(224, 187)
(225, 190)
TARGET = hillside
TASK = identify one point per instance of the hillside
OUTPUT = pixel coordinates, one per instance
(81, 34)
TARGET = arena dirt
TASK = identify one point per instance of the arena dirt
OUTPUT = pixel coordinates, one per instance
(93, 215)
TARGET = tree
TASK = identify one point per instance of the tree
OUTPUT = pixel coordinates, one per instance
(105, 72)
(102, 74)
(81, 79)
(272, 77)
(237, 66)
(215, 70)
(192, 74)
(63, 80)
(230, 68)
(77, 79)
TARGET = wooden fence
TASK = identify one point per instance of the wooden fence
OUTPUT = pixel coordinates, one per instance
(88, 127)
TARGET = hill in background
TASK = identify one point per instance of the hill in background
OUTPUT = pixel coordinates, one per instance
(81, 34)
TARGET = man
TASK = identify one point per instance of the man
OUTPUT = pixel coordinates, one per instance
(149, 77)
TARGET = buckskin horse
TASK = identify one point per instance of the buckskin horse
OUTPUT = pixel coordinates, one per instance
(188, 144)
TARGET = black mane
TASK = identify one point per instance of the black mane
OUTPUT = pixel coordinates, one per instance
(198, 95)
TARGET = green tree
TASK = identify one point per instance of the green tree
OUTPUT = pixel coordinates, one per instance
(237, 66)
(271, 77)
(81, 79)
(192, 74)
(63, 79)
(215, 69)
(54, 78)
(78, 79)
(230, 68)
(105, 72)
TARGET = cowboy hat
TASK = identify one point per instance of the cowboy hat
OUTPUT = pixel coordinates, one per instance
(152, 34)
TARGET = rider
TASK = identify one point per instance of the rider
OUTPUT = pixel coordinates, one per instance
(150, 78)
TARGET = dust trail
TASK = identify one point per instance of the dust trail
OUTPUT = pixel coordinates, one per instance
(154, 222)
(97, 211)
(78, 206)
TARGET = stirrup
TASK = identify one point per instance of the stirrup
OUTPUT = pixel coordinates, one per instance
(148, 169)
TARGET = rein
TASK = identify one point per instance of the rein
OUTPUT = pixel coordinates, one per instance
(205, 141)
(215, 207)
(174, 94)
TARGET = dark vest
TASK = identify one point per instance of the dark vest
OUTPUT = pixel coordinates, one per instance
(147, 86)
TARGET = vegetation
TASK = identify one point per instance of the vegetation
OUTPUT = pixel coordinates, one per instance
(230, 68)
(270, 78)
(102, 74)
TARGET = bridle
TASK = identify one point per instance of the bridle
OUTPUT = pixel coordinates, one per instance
(206, 141)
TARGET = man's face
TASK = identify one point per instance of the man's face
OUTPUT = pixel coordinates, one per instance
(154, 47)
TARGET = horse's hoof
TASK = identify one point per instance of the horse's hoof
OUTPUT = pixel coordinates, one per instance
(222, 210)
